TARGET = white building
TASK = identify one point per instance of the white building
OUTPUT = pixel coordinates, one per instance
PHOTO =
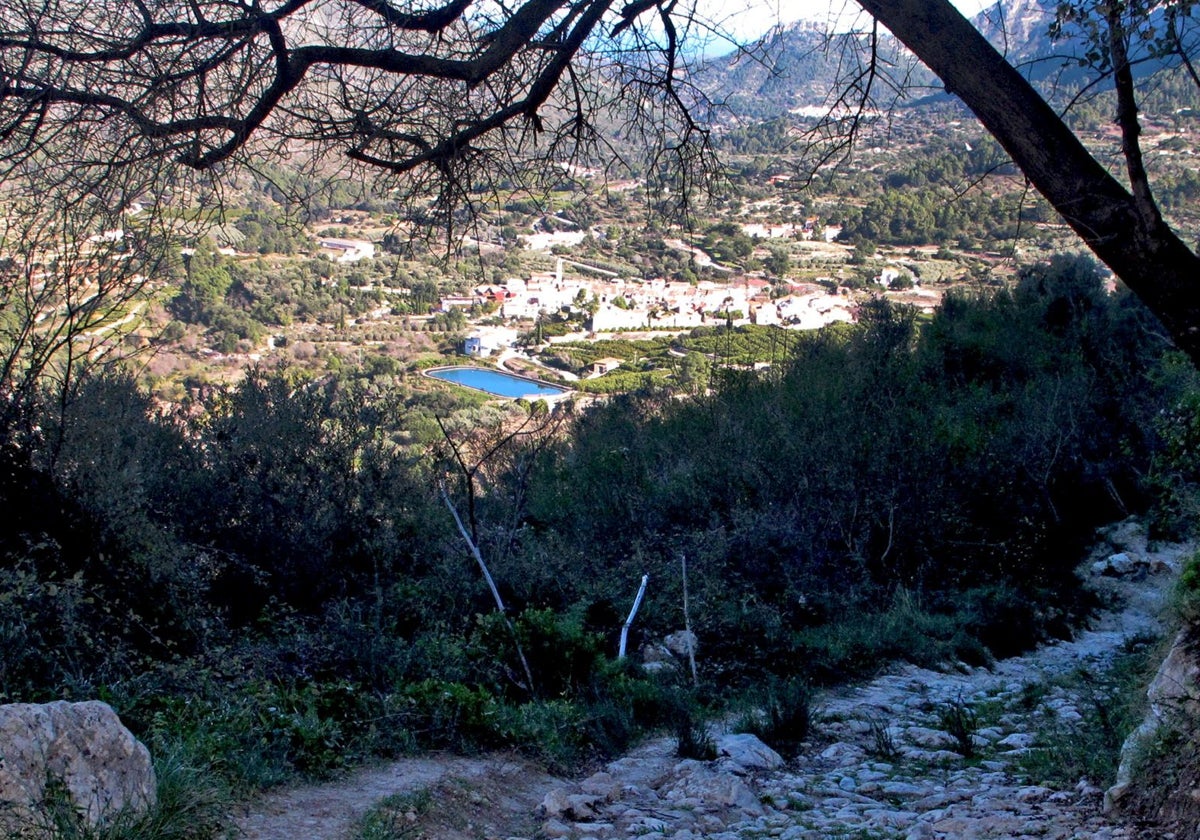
(811, 312)
(347, 250)
(609, 318)
(486, 340)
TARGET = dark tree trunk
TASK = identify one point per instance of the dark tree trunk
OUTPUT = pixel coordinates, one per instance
(1140, 248)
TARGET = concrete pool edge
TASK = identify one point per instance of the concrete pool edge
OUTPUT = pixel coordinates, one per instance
(563, 390)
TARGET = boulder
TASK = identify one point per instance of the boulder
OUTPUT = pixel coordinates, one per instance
(681, 643)
(1124, 535)
(1119, 565)
(929, 739)
(81, 747)
(653, 654)
(1017, 741)
(701, 788)
(843, 755)
(1174, 697)
(656, 659)
(603, 785)
(1174, 694)
(748, 753)
(560, 804)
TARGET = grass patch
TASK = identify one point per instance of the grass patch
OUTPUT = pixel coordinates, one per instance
(192, 805)
(961, 721)
(906, 632)
(883, 741)
(395, 817)
(1111, 705)
(783, 716)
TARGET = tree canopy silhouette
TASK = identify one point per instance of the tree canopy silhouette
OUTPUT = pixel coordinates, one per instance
(454, 95)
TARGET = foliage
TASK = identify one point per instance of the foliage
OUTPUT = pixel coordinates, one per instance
(688, 724)
(717, 346)
(1176, 466)
(1113, 702)
(815, 492)
(621, 382)
(855, 646)
(783, 715)
(392, 818)
(961, 721)
(266, 579)
(883, 740)
(1187, 591)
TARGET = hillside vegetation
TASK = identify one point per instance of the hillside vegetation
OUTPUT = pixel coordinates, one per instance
(268, 582)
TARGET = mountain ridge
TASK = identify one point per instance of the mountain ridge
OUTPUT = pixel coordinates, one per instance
(802, 65)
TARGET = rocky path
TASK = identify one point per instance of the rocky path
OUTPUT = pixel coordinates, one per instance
(882, 764)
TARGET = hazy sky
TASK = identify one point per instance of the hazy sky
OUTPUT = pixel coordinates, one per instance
(750, 18)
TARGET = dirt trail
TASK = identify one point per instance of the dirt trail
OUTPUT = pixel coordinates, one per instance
(491, 795)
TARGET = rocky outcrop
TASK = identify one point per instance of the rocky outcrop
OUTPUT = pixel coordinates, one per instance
(82, 750)
(681, 643)
(1174, 704)
(672, 654)
(743, 753)
(1123, 551)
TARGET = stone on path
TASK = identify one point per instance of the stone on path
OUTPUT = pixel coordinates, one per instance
(745, 753)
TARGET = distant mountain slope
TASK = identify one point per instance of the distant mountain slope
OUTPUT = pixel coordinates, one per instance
(786, 68)
(795, 66)
(1019, 29)
(800, 66)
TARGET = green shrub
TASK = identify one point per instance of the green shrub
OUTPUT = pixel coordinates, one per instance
(961, 721)
(1112, 704)
(783, 715)
(859, 645)
(562, 653)
(550, 731)
(1004, 619)
(687, 722)
(260, 734)
(1187, 590)
(452, 715)
(621, 705)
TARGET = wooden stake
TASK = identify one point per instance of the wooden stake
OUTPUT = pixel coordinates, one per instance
(687, 624)
(492, 586)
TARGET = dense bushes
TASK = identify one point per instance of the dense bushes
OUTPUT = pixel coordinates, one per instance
(270, 577)
(971, 454)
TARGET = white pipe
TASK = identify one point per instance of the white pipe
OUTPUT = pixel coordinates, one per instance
(637, 602)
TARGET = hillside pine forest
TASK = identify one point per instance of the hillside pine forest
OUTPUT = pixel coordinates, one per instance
(238, 511)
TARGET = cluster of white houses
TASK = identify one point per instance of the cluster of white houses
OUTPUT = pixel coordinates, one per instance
(658, 304)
